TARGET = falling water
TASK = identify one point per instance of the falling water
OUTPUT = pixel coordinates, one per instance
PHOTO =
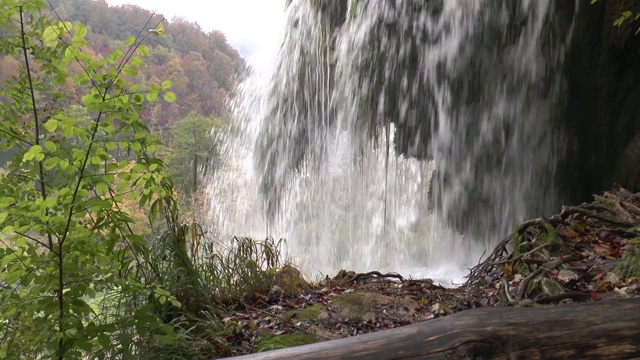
(395, 135)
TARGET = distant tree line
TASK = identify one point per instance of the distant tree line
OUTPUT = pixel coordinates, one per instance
(202, 65)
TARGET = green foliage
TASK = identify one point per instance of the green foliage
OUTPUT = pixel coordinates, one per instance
(65, 236)
(205, 280)
(194, 150)
(629, 265)
(245, 268)
(626, 15)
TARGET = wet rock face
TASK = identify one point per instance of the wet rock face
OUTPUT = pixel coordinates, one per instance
(603, 106)
(628, 170)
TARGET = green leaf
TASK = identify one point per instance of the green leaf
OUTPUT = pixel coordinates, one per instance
(136, 61)
(132, 195)
(124, 176)
(116, 54)
(79, 42)
(138, 98)
(166, 84)
(633, 229)
(104, 341)
(130, 41)
(153, 211)
(51, 125)
(152, 96)
(165, 339)
(67, 130)
(129, 70)
(3, 216)
(88, 99)
(80, 30)
(81, 79)
(143, 50)
(50, 163)
(170, 97)
(33, 151)
(7, 259)
(50, 36)
(122, 186)
(102, 188)
(175, 302)
(50, 145)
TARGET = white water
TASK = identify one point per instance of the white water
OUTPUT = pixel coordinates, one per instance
(352, 205)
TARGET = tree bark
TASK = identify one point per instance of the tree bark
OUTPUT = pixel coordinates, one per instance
(597, 330)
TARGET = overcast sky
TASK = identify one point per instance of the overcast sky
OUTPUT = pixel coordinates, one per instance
(246, 23)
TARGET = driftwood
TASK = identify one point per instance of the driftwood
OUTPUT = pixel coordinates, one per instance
(597, 330)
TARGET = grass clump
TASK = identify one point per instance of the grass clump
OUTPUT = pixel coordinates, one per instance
(244, 268)
(629, 264)
(207, 279)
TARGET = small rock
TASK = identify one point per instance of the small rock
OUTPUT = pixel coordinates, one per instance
(275, 292)
(566, 276)
(611, 277)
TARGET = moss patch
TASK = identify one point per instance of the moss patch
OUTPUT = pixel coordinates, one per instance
(273, 342)
(309, 313)
(352, 298)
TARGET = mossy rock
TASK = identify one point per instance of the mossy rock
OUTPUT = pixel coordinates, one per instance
(274, 342)
(290, 280)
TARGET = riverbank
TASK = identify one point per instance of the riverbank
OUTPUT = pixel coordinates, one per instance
(585, 253)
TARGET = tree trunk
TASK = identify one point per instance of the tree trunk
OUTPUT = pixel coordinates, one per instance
(598, 330)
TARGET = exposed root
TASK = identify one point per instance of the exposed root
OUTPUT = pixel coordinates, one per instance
(370, 274)
(559, 258)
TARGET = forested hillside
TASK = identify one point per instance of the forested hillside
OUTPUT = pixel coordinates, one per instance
(201, 65)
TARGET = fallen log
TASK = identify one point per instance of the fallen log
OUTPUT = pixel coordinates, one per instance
(596, 330)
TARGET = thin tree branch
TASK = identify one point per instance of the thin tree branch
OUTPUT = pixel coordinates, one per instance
(36, 240)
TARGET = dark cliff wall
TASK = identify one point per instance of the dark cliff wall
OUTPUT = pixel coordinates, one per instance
(603, 105)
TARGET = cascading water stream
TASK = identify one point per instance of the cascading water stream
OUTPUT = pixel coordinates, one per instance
(395, 135)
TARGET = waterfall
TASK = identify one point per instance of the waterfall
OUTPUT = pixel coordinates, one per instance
(395, 135)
